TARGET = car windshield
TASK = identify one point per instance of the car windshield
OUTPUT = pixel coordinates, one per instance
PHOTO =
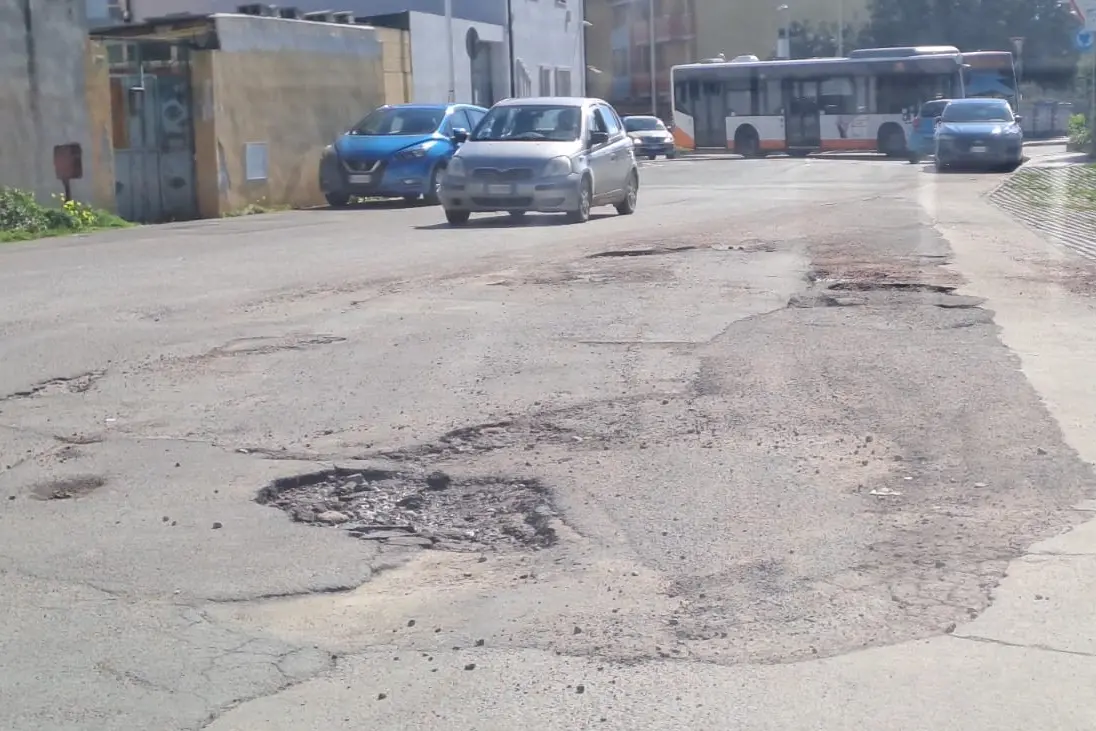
(992, 112)
(644, 124)
(399, 121)
(933, 109)
(533, 122)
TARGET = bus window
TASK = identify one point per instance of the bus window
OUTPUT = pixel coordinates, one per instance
(685, 96)
(739, 98)
(895, 94)
(772, 98)
(838, 96)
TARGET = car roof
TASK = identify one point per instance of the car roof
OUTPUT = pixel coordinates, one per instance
(975, 101)
(567, 101)
(432, 107)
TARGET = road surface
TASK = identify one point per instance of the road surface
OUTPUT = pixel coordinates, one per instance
(795, 446)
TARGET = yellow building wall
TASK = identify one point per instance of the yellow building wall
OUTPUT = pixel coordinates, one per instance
(740, 27)
(98, 158)
(296, 103)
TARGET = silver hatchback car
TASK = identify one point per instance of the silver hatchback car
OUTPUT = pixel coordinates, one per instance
(548, 154)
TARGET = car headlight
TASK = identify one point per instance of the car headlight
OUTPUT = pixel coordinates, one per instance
(455, 168)
(414, 153)
(558, 167)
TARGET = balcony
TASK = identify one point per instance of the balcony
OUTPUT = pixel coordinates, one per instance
(641, 84)
(667, 28)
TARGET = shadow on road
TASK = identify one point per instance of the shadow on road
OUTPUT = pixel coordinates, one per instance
(507, 221)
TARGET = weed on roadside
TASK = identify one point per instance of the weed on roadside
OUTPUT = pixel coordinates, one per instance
(23, 218)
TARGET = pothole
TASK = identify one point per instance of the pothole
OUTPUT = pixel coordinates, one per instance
(67, 488)
(431, 510)
(884, 286)
(653, 251)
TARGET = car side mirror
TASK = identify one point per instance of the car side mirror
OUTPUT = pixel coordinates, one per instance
(939, 121)
(597, 139)
(459, 135)
(1018, 118)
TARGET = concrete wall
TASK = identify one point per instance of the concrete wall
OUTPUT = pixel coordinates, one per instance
(548, 35)
(99, 154)
(42, 91)
(736, 27)
(290, 87)
(430, 64)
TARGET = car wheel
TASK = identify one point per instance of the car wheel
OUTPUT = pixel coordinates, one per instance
(941, 166)
(914, 158)
(337, 200)
(457, 218)
(409, 199)
(585, 202)
(517, 215)
(671, 155)
(631, 194)
(652, 157)
(431, 196)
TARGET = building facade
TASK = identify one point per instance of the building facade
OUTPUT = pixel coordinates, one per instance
(549, 54)
(618, 39)
(501, 48)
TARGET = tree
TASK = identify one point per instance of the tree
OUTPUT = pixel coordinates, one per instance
(1048, 57)
(817, 41)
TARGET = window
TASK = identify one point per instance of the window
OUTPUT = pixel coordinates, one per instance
(611, 122)
(545, 81)
(838, 96)
(399, 121)
(474, 116)
(532, 123)
(739, 99)
(563, 82)
(620, 62)
(597, 122)
(459, 120)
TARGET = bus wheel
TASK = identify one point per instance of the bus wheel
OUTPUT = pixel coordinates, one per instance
(746, 142)
(891, 141)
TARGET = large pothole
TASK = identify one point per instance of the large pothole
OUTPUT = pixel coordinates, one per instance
(431, 510)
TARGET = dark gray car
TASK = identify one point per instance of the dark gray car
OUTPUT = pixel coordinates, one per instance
(547, 154)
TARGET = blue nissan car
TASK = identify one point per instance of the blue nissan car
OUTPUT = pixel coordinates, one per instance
(982, 132)
(397, 151)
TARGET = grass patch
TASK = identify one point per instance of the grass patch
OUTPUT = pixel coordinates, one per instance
(23, 218)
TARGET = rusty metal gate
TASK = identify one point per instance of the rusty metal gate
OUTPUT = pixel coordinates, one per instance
(153, 131)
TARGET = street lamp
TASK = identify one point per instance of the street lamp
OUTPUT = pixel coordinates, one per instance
(840, 28)
(786, 51)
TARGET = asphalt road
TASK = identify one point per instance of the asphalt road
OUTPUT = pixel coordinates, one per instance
(765, 422)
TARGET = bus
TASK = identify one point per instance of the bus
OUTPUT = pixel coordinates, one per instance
(865, 102)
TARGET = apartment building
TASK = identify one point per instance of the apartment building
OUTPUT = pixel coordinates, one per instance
(618, 39)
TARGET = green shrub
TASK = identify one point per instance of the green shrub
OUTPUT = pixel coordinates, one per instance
(1080, 134)
(22, 217)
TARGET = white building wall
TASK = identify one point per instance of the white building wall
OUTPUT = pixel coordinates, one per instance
(430, 64)
(548, 37)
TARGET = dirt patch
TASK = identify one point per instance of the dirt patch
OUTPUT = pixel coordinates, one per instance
(411, 509)
(266, 345)
(879, 285)
(68, 488)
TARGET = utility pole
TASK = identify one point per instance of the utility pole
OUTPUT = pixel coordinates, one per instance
(449, 51)
(651, 41)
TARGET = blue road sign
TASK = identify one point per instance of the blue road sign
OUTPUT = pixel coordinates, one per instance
(1085, 40)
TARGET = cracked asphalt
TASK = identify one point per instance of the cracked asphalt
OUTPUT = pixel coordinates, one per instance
(805, 443)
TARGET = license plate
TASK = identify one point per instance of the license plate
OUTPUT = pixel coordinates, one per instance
(978, 148)
(361, 179)
(498, 190)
